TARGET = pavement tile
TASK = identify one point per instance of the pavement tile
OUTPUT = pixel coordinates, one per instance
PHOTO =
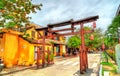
(63, 67)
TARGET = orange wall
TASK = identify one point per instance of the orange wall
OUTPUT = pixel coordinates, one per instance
(10, 49)
(61, 49)
(54, 51)
(1, 47)
(17, 50)
(26, 52)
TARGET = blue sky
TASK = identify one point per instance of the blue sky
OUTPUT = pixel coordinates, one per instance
(59, 10)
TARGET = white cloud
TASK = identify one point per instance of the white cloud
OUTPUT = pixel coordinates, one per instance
(60, 10)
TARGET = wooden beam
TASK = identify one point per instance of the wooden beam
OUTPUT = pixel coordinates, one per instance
(60, 24)
(66, 29)
(65, 23)
(88, 31)
(72, 26)
(86, 20)
(43, 50)
(43, 28)
(70, 33)
(39, 35)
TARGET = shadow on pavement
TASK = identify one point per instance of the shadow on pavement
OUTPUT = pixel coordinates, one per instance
(24, 68)
(87, 73)
(18, 70)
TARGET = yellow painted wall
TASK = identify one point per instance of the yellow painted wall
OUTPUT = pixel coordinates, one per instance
(61, 50)
(48, 46)
(30, 33)
(62, 47)
(62, 39)
(54, 51)
(41, 32)
(26, 52)
(31, 54)
(16, 50)
(1, 47)
(10, 49)
(36, 33)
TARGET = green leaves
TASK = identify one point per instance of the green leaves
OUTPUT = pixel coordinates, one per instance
(8, 17)
(9, 25)
(13, 1)
(1, 4)
(73, 42)
(15, 12)
(96, 43)
(113, 27)
(113, 30)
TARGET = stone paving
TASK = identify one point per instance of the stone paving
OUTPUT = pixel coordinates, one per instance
(65, 67)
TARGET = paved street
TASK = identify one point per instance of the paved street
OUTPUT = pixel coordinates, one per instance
(65, 67)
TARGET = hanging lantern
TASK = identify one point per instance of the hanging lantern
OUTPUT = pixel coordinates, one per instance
(103, 46)
(38, 41)
(94, 25)
(91, 37)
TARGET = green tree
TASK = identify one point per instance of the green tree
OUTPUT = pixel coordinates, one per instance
(15, 12)
(113, 27)
(97, 42)
(74, 42)
(112, 32)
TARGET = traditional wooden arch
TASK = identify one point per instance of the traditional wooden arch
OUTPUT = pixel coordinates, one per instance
(53, 33)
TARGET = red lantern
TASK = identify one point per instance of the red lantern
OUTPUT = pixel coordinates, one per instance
(38, 41)
(91, 37)
(103, 47)
(94, 25)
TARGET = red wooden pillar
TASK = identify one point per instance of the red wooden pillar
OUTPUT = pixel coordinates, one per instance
(43, 50)
(86, 58)
(38, 56)
(72, 26)
(51, 36)
(48, 56)
(53, 52)
(81, 60)
(83, 51)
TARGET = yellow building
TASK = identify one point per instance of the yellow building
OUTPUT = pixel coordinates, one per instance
(19, 48)
(58, 42)
(9, 46)
(28, 45)
(59, 46)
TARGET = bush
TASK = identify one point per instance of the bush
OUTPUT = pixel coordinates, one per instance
(111, 53)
